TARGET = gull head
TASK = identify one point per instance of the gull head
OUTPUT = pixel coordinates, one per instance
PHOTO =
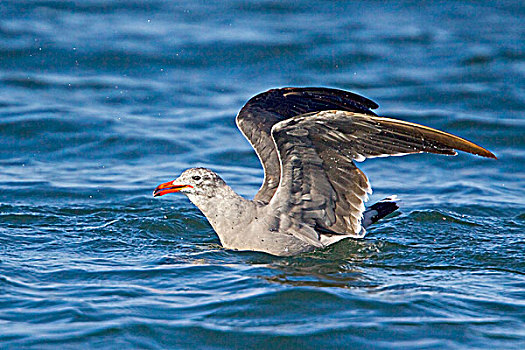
(194, 181)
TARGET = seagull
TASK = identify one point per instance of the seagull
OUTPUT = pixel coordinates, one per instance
(312, 196)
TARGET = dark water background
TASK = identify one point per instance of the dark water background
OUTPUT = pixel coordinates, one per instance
(102, 100)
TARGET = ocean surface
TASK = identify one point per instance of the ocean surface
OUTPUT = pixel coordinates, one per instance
(100, 101)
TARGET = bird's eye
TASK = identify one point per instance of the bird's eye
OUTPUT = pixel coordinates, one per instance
(196, 177)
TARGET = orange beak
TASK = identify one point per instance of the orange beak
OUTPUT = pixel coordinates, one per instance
(168, 187)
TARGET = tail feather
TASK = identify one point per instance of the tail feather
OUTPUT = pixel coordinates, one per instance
(379, 210)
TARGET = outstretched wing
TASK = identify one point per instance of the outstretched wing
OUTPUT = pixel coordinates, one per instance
(262, 112)
(321, 191)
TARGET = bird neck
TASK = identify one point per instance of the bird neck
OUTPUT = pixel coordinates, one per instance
(224, 209)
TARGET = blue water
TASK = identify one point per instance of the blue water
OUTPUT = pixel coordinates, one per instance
(100, 101)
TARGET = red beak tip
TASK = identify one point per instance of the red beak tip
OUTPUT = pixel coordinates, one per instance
(168, 187)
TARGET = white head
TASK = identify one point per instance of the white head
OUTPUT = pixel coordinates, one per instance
(192, 182)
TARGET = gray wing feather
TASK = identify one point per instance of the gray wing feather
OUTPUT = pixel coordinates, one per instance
(320, 186)
(263, 111)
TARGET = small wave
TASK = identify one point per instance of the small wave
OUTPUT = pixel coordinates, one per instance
(435, 216)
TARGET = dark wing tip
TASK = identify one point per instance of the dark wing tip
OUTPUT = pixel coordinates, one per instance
(450, 142)
(461, 144)
(490, 155)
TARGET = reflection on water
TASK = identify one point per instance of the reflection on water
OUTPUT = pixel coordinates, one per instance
(319, 274)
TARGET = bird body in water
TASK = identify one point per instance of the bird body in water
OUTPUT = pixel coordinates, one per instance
(312, 195)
